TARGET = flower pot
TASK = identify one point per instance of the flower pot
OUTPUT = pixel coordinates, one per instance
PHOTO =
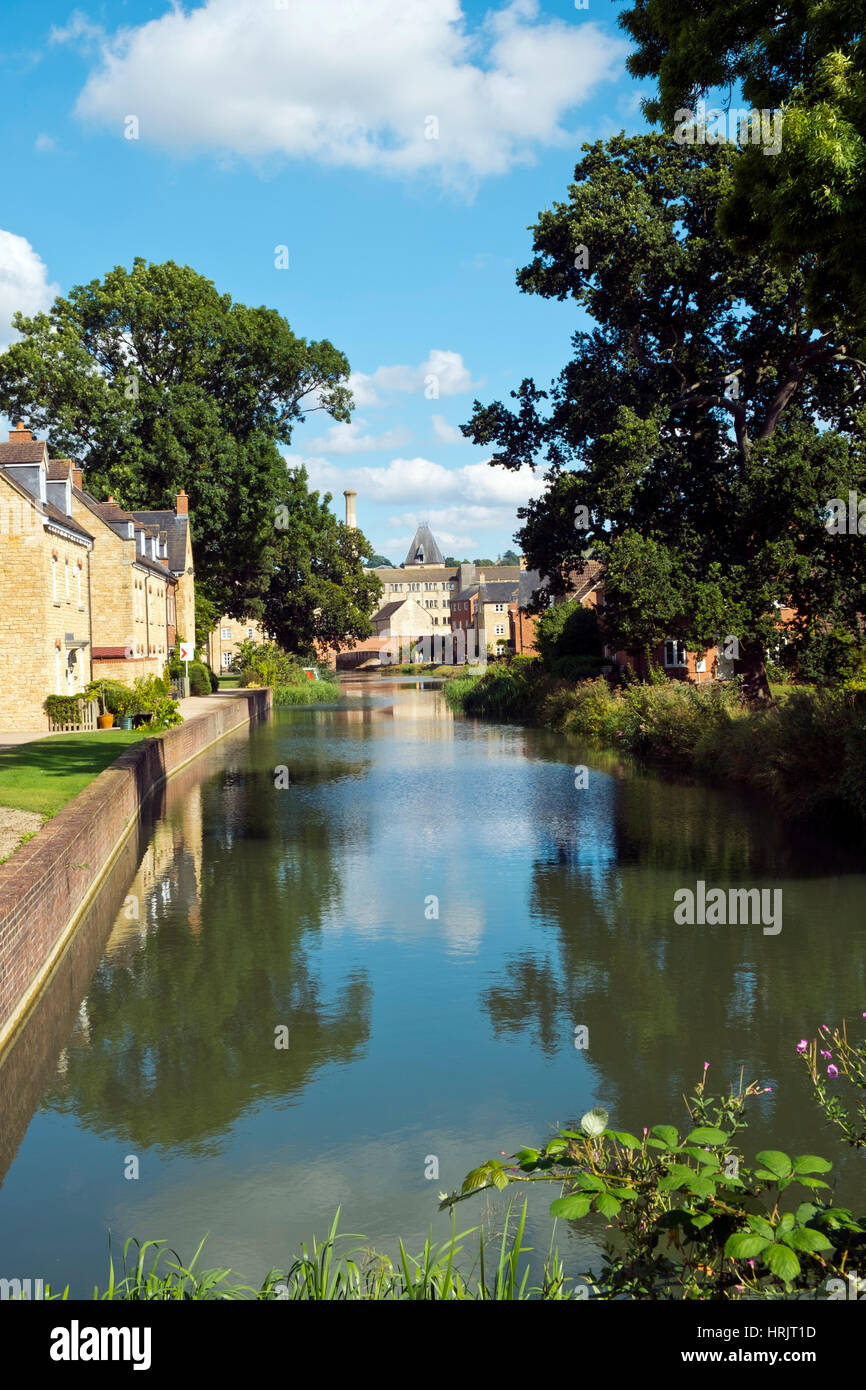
(127, 721)
(104, 721)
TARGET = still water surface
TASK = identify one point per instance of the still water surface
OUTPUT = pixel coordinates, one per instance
(246, 907)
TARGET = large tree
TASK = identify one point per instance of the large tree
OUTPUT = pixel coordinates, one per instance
(320, 592)
(155, 381)
(682, 440)
(807, 59)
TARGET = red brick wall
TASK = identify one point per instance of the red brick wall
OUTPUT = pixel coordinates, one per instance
(45, 884)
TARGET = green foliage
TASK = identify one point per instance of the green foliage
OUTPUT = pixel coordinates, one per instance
(692, 1219)
(64, 709)
(156, 382)
(808, 58)
(567, 630)
(504, 691)
(153, 699)
(835, 1064)
(701, 425)
(199, 679)
(307, 692)
(320, 592)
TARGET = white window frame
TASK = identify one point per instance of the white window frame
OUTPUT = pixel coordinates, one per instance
(225, 634)
(227, 658)
(678, 654)
(499, 630)
(54, 579)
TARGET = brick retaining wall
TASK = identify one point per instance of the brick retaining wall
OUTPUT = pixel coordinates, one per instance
(48, 882)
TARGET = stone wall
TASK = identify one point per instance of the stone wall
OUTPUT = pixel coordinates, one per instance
(48, 882)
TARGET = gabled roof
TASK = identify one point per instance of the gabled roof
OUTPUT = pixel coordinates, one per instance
(173, 529)
(584, 582)
(505, 591)
(471, 591)
(424, 550)
(51, 513)
(114, 516)
(27, 451)
(530, 583)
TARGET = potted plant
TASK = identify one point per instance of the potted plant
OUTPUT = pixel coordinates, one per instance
(127, 705)
(97, 690)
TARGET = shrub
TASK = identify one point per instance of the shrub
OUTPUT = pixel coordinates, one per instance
(567, 630)
(199, 679)
(64, 709)
(307, 693)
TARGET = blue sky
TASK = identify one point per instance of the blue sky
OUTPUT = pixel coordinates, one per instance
(307, 125)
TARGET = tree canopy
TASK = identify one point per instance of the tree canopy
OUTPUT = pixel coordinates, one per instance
(155, 382)
(807, 59)
(701, 427)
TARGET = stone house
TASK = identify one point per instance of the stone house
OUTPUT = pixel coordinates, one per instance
(223, 642)
(175, 543)
(133, 590)
(45, 603)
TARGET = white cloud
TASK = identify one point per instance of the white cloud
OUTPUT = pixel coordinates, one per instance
(23, 283)
(350, 439)
(351, 85)
(45, 143)
(448, 434)
(420, 481)
(443, 371)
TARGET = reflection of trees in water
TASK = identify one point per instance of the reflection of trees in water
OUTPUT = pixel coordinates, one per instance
(659, 999)
(180, 1039)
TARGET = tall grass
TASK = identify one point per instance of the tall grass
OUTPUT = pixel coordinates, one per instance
(307, 692)
(326, 1272)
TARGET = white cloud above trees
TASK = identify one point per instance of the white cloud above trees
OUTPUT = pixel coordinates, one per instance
(381, 85)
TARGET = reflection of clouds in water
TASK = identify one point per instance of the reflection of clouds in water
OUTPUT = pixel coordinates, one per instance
(462, 925)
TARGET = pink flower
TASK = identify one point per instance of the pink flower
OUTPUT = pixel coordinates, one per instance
(706, 1066)
(803, 1045)
(832, 1071)
(768, 1090)
(826, 1054)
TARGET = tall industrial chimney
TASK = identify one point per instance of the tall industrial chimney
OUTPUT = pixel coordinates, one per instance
(350, 494)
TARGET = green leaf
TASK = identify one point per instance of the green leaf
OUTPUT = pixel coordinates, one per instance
(803, 1238)
(761, 1227)
(571, 1208)
(704, 1156)
(627, 1140)
(499, 1179)
(810, 1163)
(556, 1146)
(667, 1134)
(778, 1163)
(527, 1155)
(589, 1182)
(782, 1261)
(607, 1204)
(594, 1122)
(706, 1135)
(479, 1177)
(744, 1246)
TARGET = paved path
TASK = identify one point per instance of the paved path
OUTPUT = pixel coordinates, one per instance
(190, 708)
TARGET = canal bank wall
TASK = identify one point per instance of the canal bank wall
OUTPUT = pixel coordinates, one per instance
(47, 884)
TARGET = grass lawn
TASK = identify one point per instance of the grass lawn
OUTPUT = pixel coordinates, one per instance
(44, 775)
(228, 682)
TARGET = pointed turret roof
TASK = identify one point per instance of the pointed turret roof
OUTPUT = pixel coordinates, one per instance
(424, 550)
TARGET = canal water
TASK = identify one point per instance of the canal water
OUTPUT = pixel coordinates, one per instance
(426, 908)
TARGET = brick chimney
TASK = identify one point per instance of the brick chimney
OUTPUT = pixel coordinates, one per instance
(350, 494)
(181, 507)
(19, 435)
(77, 477)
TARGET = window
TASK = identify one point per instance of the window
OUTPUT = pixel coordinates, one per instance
(226, 634)
(499, 630)
(675, 654)
(78, 585)
(251, 632)
(499, 607)
(226, 660)
(66, 578)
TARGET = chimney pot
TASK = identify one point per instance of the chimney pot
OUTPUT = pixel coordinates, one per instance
(182, 504)
(20, 435)
(350, 494)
